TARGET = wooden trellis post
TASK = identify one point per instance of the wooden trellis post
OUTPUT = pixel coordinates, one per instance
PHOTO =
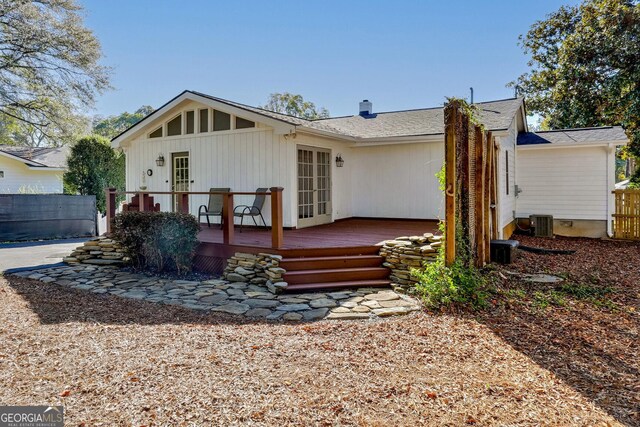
(450, 119)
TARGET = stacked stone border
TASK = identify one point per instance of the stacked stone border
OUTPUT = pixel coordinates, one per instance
(262, 269)
(220, 296)
(404, 253)
(98, 251)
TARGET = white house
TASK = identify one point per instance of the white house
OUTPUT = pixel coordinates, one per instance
(32, 170)
(371, 164)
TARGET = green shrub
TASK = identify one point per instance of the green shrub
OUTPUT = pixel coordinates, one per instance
(158, 241)
(441, 286)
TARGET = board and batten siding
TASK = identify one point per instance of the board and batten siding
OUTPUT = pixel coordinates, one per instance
(568, 183)
(397, 181)
(19, 179)
(243, 160)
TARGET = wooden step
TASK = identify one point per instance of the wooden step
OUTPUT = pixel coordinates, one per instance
(336, 275)
(335, 251)
(331, 262)
(303, 287)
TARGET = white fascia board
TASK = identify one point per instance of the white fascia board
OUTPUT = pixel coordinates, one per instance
(587, 145)
(20, 159)
(367, 142)
(280, 127)
(46, 168)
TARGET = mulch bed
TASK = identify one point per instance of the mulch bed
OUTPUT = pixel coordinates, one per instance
(591, 341)
(112, 361)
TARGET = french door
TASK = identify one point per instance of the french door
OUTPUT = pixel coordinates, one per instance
(180, 178)
(314, 186)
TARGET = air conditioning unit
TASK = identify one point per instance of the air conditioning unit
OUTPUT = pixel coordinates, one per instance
(542, 225)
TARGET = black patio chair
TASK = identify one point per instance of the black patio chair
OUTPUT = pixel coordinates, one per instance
(254, 210)
(214, 208)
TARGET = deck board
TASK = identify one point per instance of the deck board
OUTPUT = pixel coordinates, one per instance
(344, 233)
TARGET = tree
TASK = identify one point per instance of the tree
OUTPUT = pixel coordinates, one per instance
(585, 67)
(49, 66)
(93, 166)
(294, 105)
(112, 126)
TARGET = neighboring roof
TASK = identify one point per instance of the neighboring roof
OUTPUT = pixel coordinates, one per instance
(44, 157)
(570, 137)
(495, 115)
(622, 184)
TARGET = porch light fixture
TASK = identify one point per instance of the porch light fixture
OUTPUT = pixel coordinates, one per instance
(339, 160)
(160, 160)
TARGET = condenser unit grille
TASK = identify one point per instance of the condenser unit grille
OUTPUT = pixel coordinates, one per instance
(542, 225)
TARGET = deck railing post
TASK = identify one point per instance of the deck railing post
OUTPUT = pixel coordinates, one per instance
(142, 201)
(184, 205)
(277, 233)
(110, 194)
(227, 219)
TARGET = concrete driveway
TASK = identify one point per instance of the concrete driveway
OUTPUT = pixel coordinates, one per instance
(28, 255)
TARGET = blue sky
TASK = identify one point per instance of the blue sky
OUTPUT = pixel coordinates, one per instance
(398, 54)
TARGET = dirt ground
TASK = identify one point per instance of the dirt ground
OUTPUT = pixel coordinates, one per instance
(531, 358)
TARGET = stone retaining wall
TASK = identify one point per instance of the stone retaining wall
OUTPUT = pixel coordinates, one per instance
(98, 251)
(407, 252)
(261, 269)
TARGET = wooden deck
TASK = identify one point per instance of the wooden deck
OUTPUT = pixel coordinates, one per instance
(340, 234)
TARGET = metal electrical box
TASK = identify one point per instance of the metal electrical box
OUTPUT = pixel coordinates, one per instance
(542, 225)
(503, 251)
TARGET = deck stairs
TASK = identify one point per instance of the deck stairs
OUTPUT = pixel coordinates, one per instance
(335, 268)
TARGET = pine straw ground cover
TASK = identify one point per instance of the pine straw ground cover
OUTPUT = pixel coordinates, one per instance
(112, 361)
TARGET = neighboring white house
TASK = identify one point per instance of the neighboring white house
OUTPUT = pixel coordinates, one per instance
(569, 174)
(390, 158)
(32, 170)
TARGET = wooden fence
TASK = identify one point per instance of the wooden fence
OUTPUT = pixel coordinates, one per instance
(626, 219)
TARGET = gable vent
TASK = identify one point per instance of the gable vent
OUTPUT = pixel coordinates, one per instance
(366, 107)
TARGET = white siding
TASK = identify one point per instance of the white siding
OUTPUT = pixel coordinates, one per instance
(241, 159)
(507, 202)
(397, 181)
(18, 178)
(568, 183)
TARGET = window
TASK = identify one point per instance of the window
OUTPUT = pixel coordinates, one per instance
(174, 126)
(204, 120)
(221, 121)
(244, 123)
(190, 122)
(156, 133)
(506, 169)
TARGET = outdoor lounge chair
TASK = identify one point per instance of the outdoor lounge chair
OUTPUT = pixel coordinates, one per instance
(254, 210)
(214, 208)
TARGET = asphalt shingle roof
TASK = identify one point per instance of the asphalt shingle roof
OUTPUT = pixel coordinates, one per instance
(495, 115)
(570, 137)
(45, 156)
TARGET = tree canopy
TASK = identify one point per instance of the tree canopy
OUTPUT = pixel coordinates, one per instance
(49, 67)
(93, 166)
(111, 126)
(585, 67)
(294, 105)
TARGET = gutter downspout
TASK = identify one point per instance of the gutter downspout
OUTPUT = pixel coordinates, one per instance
(611, 160)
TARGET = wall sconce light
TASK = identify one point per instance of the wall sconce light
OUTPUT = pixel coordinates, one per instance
(339, 160)
(160, 160)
